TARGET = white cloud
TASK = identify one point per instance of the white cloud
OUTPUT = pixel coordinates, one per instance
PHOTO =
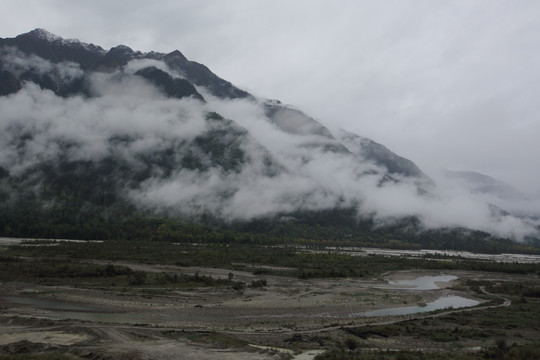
(451, 85)
(135, 65)
(446, 85)
(123, 106)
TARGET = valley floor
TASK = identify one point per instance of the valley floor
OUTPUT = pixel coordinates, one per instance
(274, 317)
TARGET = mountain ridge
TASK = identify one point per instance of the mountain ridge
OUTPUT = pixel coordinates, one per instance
(106, 130)
(197, 74)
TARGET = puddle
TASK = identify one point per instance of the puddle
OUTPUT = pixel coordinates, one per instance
(445, 302)
(421, 283)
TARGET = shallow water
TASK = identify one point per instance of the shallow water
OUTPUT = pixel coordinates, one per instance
(63, 311)
(445, 302)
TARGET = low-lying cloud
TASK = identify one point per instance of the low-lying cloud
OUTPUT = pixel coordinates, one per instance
(282, 171)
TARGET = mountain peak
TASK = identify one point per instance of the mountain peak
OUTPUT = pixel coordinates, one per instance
(45, 37)
(43, 34)
(176, 54)
(122, 48)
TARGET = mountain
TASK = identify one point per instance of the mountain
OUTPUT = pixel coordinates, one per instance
(503, 198)
(379, 154)
(91, 137)
(89, 57)
(484, 184)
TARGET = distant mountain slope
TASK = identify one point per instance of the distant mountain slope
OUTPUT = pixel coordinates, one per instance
(40, 44)
(89, 134)
(91, 57)
(379, 154)
(480, 183)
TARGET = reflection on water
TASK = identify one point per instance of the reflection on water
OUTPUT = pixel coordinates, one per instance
(445, 302)
(422, 283)
(455, 302)
(63, 311)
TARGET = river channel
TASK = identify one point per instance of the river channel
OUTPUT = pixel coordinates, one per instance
(62, 310)
(445, 302)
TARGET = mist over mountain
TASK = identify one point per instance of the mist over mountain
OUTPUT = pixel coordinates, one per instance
(85, 130)
(480, 183)
(506, 198)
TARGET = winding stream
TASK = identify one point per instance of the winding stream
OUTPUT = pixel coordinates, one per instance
(422, 283)
(445, 302)
(62, 310)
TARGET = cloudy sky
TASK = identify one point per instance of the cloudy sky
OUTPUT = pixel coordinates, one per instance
(448, 84)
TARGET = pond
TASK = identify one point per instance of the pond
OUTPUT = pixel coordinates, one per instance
(445, 302)
(62, 310)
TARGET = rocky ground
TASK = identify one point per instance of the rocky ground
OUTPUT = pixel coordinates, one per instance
(291, 314)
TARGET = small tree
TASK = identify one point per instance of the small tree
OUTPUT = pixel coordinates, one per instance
(238, 286)
(258, 283)
(351, 344)
(501, 344)
(138, 278)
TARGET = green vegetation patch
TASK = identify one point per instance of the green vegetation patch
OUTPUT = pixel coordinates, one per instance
(501, 351)
(60, 271)
(288, 261)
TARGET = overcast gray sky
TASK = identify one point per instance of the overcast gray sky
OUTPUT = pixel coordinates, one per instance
(448, 84)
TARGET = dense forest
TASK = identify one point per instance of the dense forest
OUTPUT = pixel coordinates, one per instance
(73, 220)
